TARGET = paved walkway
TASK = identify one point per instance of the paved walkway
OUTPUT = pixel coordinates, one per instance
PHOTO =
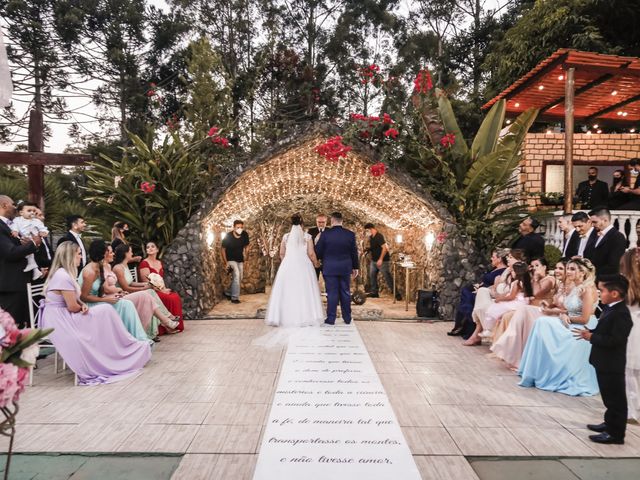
(207, 392)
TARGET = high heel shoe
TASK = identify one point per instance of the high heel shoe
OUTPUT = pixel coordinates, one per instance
(171, 326)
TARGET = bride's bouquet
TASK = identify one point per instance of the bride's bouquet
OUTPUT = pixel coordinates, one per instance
(156, 281)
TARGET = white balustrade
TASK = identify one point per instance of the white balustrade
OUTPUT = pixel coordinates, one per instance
(626, 220)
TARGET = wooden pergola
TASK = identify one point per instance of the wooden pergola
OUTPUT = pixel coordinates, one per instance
(570, 86)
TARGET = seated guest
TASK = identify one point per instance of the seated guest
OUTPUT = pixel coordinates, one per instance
(92, 341)
(510, 345)
(468, 294)
(148, 304)
(529, 241)
(606, 252)
(542, 285)
(592, 193)
(518, 292)
(485, 296)
(630, 268)
(552, 359)
(93, 281)
(587, 235)
(616, 196)
(171, 300)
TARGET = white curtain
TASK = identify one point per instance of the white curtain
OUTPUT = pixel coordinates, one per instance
(6, 87)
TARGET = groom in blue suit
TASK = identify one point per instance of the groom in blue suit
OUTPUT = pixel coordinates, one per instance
(339, 254)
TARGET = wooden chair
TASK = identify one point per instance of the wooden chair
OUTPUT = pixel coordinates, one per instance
(134, 273)
(33, 292)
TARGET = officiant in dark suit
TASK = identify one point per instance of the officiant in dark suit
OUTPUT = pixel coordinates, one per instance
(608, 357)
(316, 233)
(339, 254)
(76, 225)
(605, 253)
(13, 253)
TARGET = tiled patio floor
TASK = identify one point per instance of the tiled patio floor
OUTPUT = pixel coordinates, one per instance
(206, 394)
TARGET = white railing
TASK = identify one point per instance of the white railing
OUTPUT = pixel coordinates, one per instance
(624, 220)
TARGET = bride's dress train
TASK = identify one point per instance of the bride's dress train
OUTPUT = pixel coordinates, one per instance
(295, 299)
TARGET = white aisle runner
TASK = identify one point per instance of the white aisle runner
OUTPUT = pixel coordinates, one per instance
(331, 417)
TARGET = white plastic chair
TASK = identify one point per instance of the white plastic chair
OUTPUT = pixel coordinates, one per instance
(34, 291)
(134, 273)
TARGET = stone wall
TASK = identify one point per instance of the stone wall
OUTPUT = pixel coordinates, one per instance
(541, 147)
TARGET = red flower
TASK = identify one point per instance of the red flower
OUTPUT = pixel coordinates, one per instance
(392, 132)
(151, 93)
(365, 134)
(224, 142)
(333, 149)
(422, 83)
(386, 118)
(448, 140)
(374, 68)
(147, 187)
(213, 131)
(441, 237)
(378, 169)
(152, 85)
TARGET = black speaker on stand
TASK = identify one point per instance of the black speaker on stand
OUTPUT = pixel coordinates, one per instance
(427, 304)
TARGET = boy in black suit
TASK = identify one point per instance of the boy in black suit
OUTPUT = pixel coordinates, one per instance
(609, 357)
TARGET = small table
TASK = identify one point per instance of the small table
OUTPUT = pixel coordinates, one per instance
(407, 274)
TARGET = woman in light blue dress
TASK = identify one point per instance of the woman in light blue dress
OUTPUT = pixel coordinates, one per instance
(552, 359)
(92, 279)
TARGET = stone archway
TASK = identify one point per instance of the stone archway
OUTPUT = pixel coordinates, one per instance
(294, 178)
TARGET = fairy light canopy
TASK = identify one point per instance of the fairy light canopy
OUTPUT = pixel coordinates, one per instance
(298, 171)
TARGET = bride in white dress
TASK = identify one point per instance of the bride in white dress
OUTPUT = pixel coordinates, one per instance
(295, 297)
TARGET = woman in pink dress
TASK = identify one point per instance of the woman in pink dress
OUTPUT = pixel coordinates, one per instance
(518, 294)
(171, 300)
(92, 340)
(510, 345)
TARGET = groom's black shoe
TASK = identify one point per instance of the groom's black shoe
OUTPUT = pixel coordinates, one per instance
(329, 323)
(600, 427)
(606, 438)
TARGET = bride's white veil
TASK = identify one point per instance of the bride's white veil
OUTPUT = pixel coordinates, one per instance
(296, 237)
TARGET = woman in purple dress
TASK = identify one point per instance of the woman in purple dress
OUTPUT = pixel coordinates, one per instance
(93, 341)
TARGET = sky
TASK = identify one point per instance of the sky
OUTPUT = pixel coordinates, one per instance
(82, 109)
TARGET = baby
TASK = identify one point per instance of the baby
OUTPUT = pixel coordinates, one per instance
(27, 225)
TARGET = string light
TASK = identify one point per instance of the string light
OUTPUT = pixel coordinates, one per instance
(517, 104)
(399, 238)
(614, 93)
(429, 240)
(561, 77)
(210, 238)
(540, 87)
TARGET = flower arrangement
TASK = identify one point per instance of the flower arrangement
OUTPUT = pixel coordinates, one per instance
(156, 281)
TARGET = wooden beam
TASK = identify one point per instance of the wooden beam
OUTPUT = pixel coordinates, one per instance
(584, 88)
(612, 108)
(535, 78)
(46, 159)
(615, 71)
(569, 89)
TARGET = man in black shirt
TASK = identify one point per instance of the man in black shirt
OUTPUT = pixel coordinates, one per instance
(379, 251)
(593, 193)
(529, 241)
(234, 245)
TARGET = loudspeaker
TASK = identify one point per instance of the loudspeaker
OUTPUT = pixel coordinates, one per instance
(427, 304)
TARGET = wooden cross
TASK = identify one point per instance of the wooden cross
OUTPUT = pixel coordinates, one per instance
(35, 159)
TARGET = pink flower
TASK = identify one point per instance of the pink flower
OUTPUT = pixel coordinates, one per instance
(392, 132)
(151, 93)
(10, 386)
(441, 237)
(147, 187)
(213, 131)
(222, 141)
(7, 326)
(378, 169)
(448, 140)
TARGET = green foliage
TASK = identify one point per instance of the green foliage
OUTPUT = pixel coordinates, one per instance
(552, 254)
(114, 187)
(478, 185)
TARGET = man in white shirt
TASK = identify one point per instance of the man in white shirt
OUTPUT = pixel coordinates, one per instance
(566, 228)
(585, 235)
(76, 225)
